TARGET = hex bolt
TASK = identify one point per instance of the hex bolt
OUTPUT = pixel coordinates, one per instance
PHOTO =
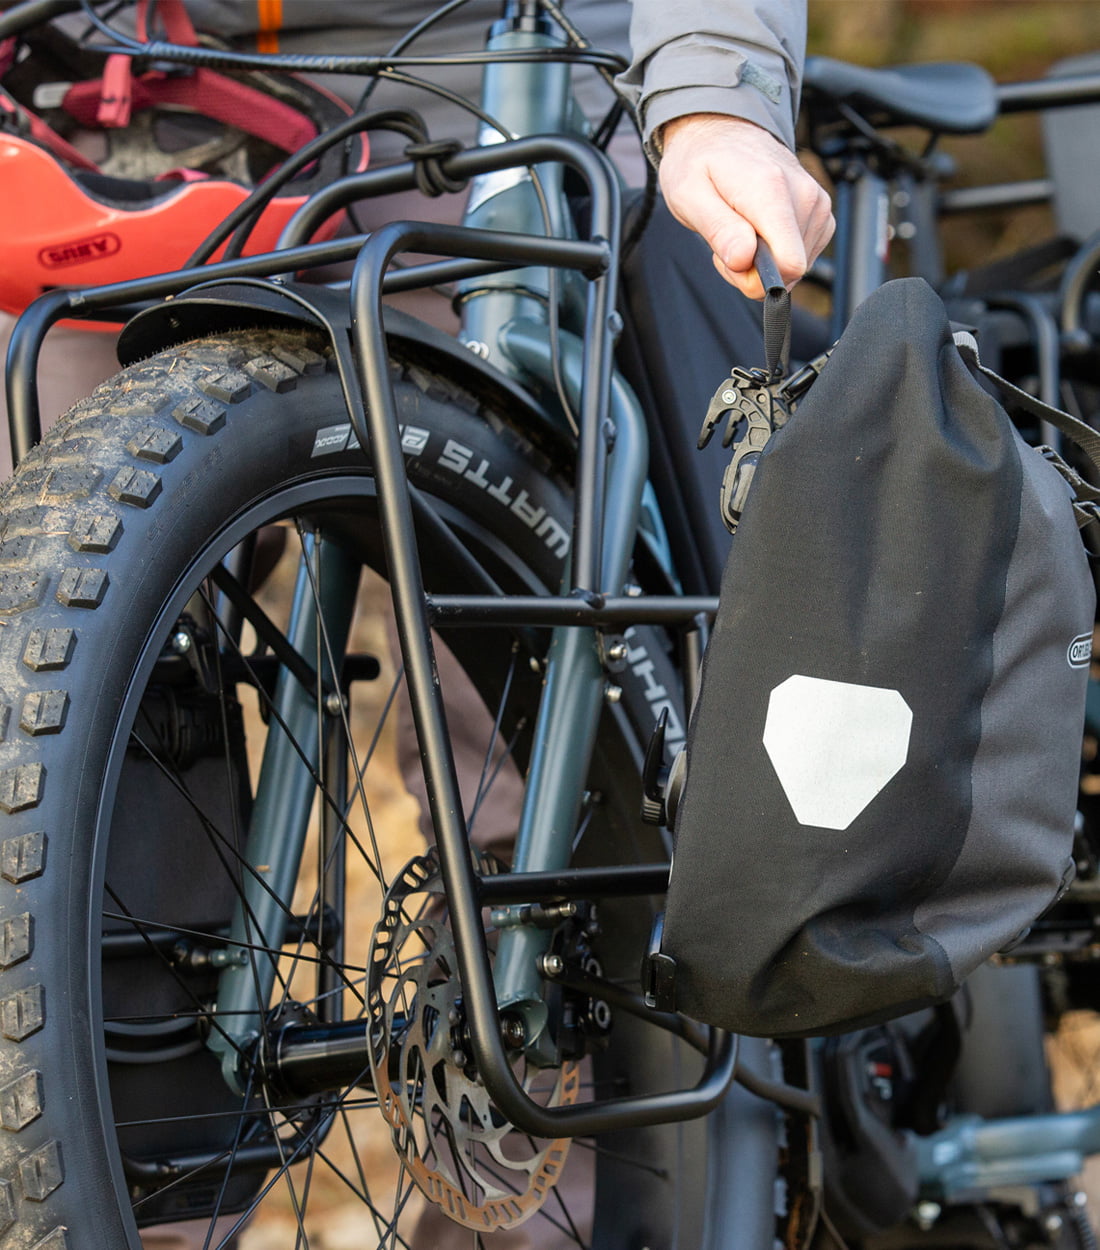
(551, 965)
(926, 1214)
(181, 642)
(616, 652)
(513, 1032)
(228, 958)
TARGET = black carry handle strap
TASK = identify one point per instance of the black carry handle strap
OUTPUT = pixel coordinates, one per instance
(777, 313)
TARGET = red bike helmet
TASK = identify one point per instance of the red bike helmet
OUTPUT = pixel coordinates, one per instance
(182, 150)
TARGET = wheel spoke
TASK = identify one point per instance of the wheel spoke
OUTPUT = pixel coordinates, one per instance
(123, 914)
(247, 829)
(489, 772)
(229, 1167)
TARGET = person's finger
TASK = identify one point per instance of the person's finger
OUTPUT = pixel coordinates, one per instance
(767, 208)
(732, 181)
(697, 204)
(822, 228)
(746, 281)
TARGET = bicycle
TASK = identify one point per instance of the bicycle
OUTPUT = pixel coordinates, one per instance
(146, 647)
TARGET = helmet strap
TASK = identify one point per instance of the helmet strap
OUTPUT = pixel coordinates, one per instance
(116, 85)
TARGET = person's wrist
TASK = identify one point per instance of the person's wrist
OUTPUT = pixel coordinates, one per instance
(668, 131)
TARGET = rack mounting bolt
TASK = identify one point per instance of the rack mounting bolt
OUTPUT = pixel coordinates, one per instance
(926, 1214)
(551, 965)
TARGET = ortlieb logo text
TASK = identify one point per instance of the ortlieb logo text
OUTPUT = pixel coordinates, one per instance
(1080, 651)
(95, 247)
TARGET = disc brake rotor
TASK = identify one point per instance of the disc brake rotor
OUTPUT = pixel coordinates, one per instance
(458, 1148)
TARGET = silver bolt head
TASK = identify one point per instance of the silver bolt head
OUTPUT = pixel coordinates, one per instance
(513, 1032)
(617, 651)
(181, 642)
(729, 397)
(553, 965)
(613, 694)
(334, 703)
(927, 1213)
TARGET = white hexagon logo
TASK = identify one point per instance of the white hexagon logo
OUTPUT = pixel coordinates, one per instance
(834, 746)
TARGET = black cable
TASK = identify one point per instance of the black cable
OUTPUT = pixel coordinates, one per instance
(402, 121)
(641, 213)
(609, 123)
(315, 63)
(424, 25)
(241, 221)
(103, 28)
(271, 186)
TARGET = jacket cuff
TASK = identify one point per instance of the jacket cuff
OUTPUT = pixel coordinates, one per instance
(698, 74)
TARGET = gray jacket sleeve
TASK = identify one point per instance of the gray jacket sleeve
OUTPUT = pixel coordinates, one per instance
(738, 57)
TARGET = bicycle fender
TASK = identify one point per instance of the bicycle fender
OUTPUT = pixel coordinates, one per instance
(215, 308)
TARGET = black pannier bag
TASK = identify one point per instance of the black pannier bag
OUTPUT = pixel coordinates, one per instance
(883, 759)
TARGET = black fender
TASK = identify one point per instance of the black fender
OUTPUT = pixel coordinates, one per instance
(216, 308)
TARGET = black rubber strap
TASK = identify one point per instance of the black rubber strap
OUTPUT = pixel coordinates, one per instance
(777, 313)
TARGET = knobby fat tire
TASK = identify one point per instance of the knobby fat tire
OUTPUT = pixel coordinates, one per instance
(96, 529)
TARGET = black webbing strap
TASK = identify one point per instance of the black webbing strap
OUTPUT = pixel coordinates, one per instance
(1084, 436)
(777, 314)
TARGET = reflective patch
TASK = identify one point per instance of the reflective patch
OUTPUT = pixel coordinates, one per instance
(834, 746)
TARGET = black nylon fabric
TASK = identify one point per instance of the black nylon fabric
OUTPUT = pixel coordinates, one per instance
(874, 551)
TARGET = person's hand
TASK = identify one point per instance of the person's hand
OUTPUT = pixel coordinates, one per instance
(730, 181)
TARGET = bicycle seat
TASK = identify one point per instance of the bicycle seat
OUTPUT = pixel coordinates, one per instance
(948, 96)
